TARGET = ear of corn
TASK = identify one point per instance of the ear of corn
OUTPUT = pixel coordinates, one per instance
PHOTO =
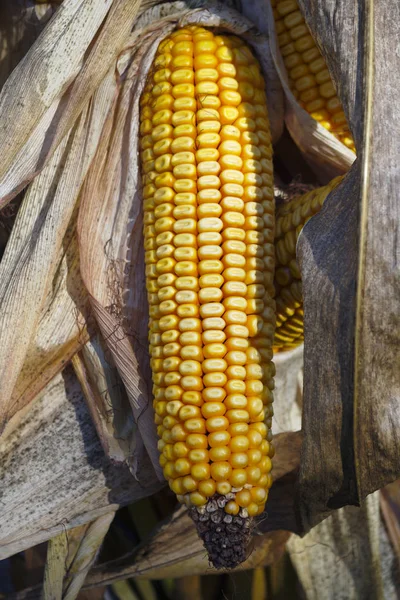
(209, 228)
(290, 220)
(309, 77)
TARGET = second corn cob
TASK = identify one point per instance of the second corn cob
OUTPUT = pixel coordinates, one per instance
(290, 220)
(209, 230)
(309, 77)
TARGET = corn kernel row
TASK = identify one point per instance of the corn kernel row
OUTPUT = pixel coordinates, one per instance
(209, 228)
(290, 220)
(309, 77)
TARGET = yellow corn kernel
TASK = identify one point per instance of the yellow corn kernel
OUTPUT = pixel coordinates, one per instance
(289, 304)
(309, 77)
(208, 214)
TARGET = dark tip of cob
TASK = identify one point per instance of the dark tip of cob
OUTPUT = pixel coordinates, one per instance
(226, 537)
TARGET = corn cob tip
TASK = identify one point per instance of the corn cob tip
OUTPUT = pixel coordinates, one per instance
(226, 537)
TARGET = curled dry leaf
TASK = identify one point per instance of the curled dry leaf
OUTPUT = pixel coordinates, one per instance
(35, 248)
(54, 474)
(349, 257)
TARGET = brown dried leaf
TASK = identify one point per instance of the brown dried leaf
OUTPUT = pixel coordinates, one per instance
(349, 257)
(35, 248)
(341, 557)
(54, 474)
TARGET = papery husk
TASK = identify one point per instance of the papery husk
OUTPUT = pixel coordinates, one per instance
(110, 219)
(56, 80)
(349, 256)
(61, 327)
(326, 154)
(106, 399)
(288, 390)
(34, 250)
(54, 474)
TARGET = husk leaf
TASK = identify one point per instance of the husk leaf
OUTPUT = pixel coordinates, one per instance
(349, 255)
(34, 250)
(54, 474)
(341, 557)
(70, 556)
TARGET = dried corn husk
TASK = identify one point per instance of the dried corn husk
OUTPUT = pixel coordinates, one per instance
(60, 330)
(349, 256)
(35, 248)
(288, 392)
(344, 557)
(54, 474)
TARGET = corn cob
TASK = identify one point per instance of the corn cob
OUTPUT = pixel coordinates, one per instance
(290, 220)
(309, 77)
(209, 230)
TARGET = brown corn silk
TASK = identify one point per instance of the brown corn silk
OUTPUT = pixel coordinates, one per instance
(208, 227)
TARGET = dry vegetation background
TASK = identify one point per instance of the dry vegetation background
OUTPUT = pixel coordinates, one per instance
(77, 438)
